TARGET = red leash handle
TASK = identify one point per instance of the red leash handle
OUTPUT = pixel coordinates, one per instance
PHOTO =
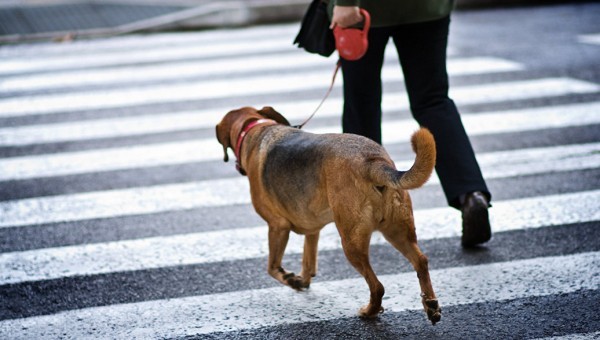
(352, 43)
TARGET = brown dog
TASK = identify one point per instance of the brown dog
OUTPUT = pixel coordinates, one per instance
(301, 181)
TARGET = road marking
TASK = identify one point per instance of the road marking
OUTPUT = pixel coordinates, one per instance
(134, 157)
(211, 89)
(327, 300)
(504, 122)
(246, 243)
(208, 118)
(502, 164)
(220, 192)
(220, 67)
(124, 44)
(160, 72)
(590, 39)
(475, 94)
(123, 202)
(181, 121)
(173, 53)
(323, 301)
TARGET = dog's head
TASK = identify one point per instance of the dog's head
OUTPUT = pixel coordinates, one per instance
(234, 122)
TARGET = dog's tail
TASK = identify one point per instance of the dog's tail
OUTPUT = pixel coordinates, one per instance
(423, 145)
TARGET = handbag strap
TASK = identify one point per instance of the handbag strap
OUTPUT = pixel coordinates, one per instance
(337, 68)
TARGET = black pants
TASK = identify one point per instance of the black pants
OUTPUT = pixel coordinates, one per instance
(422, 52)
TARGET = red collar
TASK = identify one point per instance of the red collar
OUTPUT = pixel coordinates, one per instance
(238, 147)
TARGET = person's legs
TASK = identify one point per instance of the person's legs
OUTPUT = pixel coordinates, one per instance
(422, 51)
(362, 89)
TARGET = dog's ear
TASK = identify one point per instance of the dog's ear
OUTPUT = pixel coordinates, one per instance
(223, 138)
(269, 112)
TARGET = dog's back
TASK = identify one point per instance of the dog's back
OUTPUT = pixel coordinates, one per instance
(296, 160)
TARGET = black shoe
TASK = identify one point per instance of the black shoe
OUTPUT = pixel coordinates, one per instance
(476, 220)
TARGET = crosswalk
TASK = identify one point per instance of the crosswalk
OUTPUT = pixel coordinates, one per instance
(263, 307)
(126, 110)
(244, 243)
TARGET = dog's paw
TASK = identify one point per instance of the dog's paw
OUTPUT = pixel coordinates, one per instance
(296, 282)
(369, 312)
(434, 312)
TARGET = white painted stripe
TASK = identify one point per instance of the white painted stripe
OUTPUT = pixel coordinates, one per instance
(71, 163)
(220, 88)
(503, 122)
(132, 157)
(323, 301)
(179, 121)
(193, 195)
(522, 162)
(485, 93)
(164, 71)
(109, 128)
(146, 200)
(161, 40)
(246, 243)
(476, 94)
(219, 67)
(122, 202)
(155, 55)
(590, 38)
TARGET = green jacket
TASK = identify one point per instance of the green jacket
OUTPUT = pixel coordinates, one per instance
(396, 12)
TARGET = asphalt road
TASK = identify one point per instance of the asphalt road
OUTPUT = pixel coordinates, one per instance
(118, 218)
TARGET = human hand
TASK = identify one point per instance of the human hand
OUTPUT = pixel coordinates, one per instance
(345, 16)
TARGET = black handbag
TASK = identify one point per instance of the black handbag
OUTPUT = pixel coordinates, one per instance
(315, 35)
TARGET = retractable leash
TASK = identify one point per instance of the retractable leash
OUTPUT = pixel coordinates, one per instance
(352, 44)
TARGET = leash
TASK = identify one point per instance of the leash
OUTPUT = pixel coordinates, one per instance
(337, 68)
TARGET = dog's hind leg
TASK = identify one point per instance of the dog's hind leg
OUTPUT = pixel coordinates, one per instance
(309, 258)
(355, 241)
(403, 238)
(278, 238)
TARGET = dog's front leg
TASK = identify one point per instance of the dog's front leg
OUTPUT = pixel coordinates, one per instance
(278, 238)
